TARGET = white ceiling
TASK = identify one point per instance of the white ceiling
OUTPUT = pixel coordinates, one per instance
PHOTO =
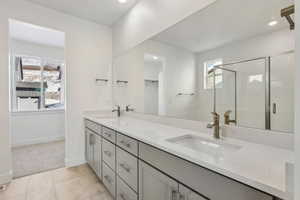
(224, 22)
(36, 34)
(100, 11)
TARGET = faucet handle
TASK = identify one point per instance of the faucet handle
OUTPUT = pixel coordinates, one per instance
(215, 114)
(128, 109)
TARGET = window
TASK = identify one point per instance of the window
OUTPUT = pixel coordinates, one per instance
(209, 77)
(37, 84)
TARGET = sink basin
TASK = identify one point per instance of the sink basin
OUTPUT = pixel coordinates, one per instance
(211, 147)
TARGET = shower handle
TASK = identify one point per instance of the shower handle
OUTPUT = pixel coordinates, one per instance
(274, 108)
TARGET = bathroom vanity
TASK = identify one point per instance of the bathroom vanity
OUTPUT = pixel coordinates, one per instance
(141, 160)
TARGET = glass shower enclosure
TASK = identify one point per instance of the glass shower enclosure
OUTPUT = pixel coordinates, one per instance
(258, 93)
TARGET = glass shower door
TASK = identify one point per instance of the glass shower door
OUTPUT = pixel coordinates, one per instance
(225, 93)
(251, 93)
(243, 92)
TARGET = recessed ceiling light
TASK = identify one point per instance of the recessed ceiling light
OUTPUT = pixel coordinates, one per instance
(155, 57)
(273, 23)
(122, 1)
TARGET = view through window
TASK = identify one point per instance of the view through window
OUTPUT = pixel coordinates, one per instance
(37, 84)
(209, 77)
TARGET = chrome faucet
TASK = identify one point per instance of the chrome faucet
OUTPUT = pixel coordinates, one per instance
(118, 109)
(215, 124)
(128, 109)
(227, 119)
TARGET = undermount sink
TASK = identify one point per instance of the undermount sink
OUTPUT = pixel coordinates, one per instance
(211, 147)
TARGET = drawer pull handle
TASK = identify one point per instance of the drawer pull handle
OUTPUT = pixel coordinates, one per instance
(126, 144)
(108, 179)
(123, 196)
(107, 134)
(174, 195)
(181, 197)
(127, 169)
(108, 153)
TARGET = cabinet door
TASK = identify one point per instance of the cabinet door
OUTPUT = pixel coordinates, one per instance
(87, 141)
(89, 148)
(93, 142)
(187, 194)
(98, 156)
(155, 185)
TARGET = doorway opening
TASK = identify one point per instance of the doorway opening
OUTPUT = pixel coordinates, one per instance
(37, 98)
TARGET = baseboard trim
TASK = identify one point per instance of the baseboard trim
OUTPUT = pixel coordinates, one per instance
(74, 162)
(38, 141)
(6, 177)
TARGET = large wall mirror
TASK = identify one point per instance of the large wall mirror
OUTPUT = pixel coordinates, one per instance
(233, 57)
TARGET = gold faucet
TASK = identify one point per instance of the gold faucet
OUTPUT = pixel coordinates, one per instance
(227, 119)
(215, 124)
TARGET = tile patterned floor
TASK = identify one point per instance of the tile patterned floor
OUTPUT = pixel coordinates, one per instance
(77, 183)
(37, 158)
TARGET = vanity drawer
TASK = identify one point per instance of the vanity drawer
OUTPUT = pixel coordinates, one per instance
(124, 192)
(128, 144)
(109, 179)
(109, 134)
(109, 153)
(127, 168)
(93, 126)
(206, 182)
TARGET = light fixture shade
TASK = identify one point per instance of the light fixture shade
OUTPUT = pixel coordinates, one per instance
(273, 23)
(122, 1)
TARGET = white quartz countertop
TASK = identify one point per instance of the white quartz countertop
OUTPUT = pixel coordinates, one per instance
(260, 166)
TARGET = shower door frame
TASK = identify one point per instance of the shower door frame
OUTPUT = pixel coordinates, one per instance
(267, 86)
(235, 88)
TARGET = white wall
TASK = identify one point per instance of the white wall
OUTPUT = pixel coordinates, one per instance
(263, 45)
(36, 127)
(150, 17)
(5, 151)
(297, 105)
(88, 54)
(32, 49)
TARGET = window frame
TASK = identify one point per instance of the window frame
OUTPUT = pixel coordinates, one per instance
(208, 65)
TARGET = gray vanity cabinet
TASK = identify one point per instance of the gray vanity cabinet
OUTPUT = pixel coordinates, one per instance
(98, 156)
(94, 151)
(89, 152)
(208, 183)
(133, 170)
(155, 185)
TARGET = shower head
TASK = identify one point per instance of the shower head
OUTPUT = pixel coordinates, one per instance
(287, 12)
